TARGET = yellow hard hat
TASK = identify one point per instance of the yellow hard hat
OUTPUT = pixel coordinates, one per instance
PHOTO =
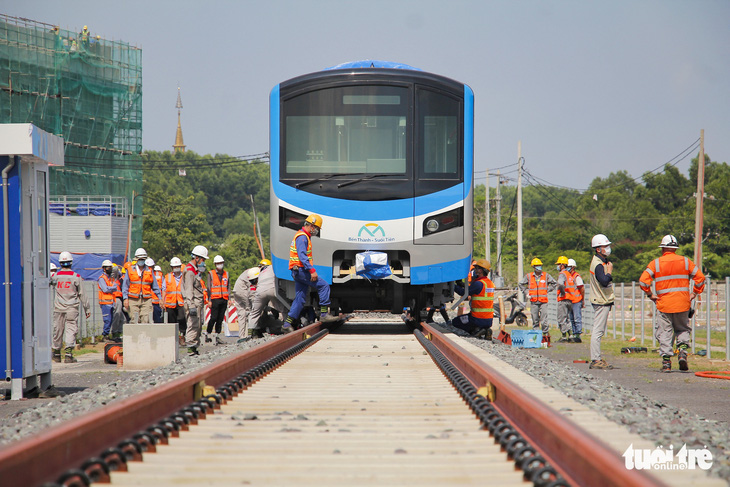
(483, 263)
(535, 262)
(86, 27)
(562, 260)
(315, 220)
(265, 262)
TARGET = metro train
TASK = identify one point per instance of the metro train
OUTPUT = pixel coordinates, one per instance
(383, 152)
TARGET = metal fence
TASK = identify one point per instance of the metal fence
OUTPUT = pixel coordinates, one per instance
(634, 316)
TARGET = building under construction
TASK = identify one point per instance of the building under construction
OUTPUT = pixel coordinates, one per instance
(87, 90)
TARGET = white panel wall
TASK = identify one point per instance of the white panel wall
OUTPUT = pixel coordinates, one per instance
(108, 234)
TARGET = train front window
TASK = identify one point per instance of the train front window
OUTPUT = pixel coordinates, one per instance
(440, 135)
(347, 131)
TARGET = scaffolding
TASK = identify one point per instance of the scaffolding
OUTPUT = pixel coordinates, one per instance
(85, 89)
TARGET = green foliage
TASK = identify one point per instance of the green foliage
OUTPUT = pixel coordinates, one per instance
(634, 214)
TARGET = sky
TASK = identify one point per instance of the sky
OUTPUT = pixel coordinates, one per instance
(588, 87)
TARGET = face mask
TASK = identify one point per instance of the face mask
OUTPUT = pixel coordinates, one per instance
(315, 231)
(108, 271)
(538, 268)
(201, 267)
(176, 270)
(569, 269)
(608, 250)
(140, 264)
(219, 267)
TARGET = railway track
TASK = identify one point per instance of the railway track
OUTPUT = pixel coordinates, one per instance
(340, 408)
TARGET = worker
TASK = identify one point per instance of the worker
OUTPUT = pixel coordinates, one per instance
(565, 304)
(481, 291)
(69, 293)
(84, 34)
(156, 298)
(577, 297)
(220, 290)
(173, 299)
(305, 275)
(138, 289)
(193, 291)
(602, 297)
(107, 285)
(243, 293)
(264, 299)
(119, 317)
(54, 269)
(538, 284)
(671, 275)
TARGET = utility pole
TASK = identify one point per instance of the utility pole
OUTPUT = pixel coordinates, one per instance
(699, 213)
(487, 223)
(498, 231)
(519, 209)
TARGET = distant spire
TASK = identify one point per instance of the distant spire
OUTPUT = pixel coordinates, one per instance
(179, 144)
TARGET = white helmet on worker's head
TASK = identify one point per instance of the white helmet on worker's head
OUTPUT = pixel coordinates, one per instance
(175, 262)
(149, 262)
(158, 268)
(599, 241)
(106, 263)
(140, 253)
(571, 263)
(53, 267)
(669, 242)
(65, 259)
(218, 259)
(253, 273)
(200, 251)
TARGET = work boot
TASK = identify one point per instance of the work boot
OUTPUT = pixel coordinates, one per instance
(564, 338)
(600, 364)
(217, 340)
(193, 351)
(206, 338)
(69, 358)
(683, 365)
(666, 364)
(328, 318)
(576, 338)
(56, 355)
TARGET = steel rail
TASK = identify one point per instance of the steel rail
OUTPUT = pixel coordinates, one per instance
(45, 456)
(578, 456)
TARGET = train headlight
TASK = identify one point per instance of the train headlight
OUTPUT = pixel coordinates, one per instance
(443, 221)
(432, 225)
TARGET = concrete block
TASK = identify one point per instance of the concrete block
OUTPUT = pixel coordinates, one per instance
(149, 345)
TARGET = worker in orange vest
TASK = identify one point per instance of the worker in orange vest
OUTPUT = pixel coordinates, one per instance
(671, 275)
(481, 293)
(220, 289)
(138, 289)
(575, 289)
(156, 299)
(107, 286)
(565, 304)
(538, 284)
(173, 299)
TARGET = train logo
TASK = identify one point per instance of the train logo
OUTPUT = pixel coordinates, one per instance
(375, 230)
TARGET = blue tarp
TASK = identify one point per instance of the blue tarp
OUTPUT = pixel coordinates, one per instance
(88, 266)
(372, 63)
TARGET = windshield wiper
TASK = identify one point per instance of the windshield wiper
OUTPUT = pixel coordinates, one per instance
(372, 176)
(324, 178)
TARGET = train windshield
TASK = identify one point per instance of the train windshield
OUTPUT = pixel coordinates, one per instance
(359, 130)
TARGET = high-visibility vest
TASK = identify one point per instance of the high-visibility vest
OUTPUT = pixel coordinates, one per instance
(482, 304)
(538, 288)
(206, 300)
(158, 277)
(576, 296)
(106, 298)
(118, 289)
(671, 274)
(294, 256)
(571, 290)
(599, 294)
(140, 286)
(218, 287)
(173, 292)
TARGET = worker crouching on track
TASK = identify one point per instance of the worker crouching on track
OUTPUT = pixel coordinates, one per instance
(69, 293)
(243, 291)
(305, 275)
(193, 290)
(671, 274)
(481, 291)
(265, 300)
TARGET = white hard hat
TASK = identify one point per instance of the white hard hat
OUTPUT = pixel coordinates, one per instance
(218, 259)
(140, 253)
(53, 267)
(669, 242)
(65, 257)
(158, 268)
(200, 251)
(149, 262)
(253, 273)
(571, 263)
(106, 263)
(600, 240)
(175, 262)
